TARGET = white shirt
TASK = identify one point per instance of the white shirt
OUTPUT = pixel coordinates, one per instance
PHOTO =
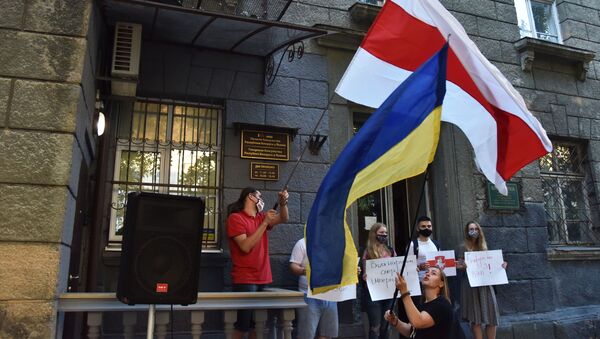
(299, 257)
(424, 247)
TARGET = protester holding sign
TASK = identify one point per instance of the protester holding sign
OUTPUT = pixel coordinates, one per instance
(478, 304)
(433, 318)
(377, 247)
(423, 244)
(420, 246)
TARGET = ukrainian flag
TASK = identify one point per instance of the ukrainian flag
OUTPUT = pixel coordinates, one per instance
(397, 142)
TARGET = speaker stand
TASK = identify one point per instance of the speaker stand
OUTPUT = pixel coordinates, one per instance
(151, 311)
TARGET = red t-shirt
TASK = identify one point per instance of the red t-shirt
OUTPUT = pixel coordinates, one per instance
(253, 267)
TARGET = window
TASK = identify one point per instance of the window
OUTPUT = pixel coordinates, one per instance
(167, 148)
(568, 196)
(538, 19)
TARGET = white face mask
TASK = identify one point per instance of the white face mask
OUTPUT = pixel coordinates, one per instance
(260, 205)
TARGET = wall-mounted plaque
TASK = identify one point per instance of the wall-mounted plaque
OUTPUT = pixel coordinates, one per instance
(265, 145)
(497, 201)
(264, 171)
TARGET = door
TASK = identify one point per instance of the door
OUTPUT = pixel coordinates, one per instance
(410, 199)
(73, 325)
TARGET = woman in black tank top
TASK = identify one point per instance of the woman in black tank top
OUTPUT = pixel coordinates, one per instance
(433, 318)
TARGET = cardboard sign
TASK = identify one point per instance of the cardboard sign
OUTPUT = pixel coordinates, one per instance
(484, 268)
(444, 260)
(339, 294)
(381, 276)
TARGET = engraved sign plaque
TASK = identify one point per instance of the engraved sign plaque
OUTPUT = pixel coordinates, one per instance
(264, 171)
(265, 145)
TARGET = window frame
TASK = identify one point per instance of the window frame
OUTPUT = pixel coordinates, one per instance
(560, 177)
(163, 151)
(531, 21)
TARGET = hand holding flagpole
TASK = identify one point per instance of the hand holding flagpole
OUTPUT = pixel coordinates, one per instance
(411, 233)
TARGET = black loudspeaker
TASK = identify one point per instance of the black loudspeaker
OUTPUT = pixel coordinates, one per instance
(160, 257)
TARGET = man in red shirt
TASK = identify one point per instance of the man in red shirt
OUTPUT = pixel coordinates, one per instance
(247, 227)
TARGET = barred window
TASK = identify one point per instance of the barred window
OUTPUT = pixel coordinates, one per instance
(171, 148)
(569, 196)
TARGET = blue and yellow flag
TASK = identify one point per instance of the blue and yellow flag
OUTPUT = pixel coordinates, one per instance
(397, 142)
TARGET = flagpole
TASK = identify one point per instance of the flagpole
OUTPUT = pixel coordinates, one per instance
(285, 186)
(411, 233)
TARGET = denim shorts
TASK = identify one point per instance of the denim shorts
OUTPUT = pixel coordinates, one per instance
(245, 320)
(320, 316)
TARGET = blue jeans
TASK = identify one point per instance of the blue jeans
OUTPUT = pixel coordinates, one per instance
(319, 314)
(245, 320)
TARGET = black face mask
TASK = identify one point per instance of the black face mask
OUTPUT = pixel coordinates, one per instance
(426, 232)
(382, 239)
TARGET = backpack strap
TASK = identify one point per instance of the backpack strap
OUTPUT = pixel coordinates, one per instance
(437, 244)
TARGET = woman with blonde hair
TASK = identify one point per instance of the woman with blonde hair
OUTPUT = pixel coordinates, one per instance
(478, 304)
(432, 319)
(377, 247)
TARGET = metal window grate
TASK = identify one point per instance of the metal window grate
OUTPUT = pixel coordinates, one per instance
(171, 148)
(569, 196)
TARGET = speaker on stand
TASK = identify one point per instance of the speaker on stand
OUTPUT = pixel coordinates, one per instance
(161, 250)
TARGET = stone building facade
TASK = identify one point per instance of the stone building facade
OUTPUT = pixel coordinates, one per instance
(46, 138)
(548, 294)
(57, 176)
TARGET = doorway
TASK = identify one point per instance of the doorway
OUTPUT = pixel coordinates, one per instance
(396, 205)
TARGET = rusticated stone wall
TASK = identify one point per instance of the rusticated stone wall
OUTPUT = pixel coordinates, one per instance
(46, 108)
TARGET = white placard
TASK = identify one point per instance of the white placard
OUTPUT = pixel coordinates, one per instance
(339, 294)
(369, 222)
(484, 268)
(381, 276)
(444, 260)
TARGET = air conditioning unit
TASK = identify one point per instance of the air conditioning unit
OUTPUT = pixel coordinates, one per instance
(126, 58)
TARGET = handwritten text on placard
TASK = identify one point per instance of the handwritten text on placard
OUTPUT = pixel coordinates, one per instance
(381, 276)
(484, 268)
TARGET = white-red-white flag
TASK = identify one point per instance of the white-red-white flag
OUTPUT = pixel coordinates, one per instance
(479, 99)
